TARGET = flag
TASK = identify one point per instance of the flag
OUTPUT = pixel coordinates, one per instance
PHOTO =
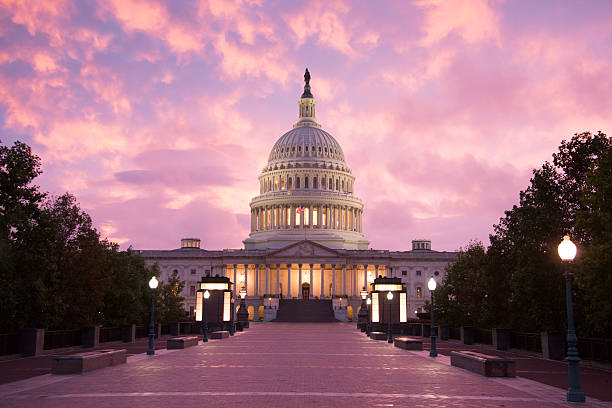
(300, 209)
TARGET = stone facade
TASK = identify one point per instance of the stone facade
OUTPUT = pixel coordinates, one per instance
(306, 234)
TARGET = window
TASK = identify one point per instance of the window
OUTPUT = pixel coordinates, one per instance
(331, 184)
(314, 182)
(299, 148)
(419, 292)
(190, 310)
(337, 185)
(297, 182)
(192, 291)
(290, 183)
(404, 273)
(305, 182)
(418, 273)
(436, 273)
(306, 148)
(193, 271)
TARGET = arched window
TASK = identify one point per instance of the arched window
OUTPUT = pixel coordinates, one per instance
(331, 184)
(419, 292)
(290, 183)
(323, 183)
(297, 182)
(306, 182)
(337, 185)
(282, 184)
(275, 183)
(314, 183)
(343, 186)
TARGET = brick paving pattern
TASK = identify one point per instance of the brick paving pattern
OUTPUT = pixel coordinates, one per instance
(284, 365)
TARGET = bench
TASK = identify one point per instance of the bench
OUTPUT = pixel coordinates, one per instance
(217, 335)
(489, 366)
(181, 342)
(378, 335)
(90, 360)
(408, 343)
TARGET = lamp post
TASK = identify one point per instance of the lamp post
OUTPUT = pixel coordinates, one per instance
(153, 285)
(567, 252)
(368, 303)
(431, 284)
(243, 314)
(362, 317)
(390, 328)
(205, 325)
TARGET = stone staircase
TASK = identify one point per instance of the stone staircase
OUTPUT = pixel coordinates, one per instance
(305, 310)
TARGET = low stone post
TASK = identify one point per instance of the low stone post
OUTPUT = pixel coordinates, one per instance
(128, 333)
(32, 342)
(501, 338)
(553, 345)
(90, 336)
(467, 334)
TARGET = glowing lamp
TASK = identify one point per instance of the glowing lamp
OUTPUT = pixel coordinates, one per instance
(206, 295)
(364, 294)
(567, 249)
(431, 284)
(243, 293)
(153, 283)
(369, 301)
(390, 295)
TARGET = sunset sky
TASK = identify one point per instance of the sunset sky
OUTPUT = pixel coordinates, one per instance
(158, 116)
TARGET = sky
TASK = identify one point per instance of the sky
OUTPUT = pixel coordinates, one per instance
(159, 116)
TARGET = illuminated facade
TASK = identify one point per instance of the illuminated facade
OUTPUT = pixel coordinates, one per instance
(306, 236)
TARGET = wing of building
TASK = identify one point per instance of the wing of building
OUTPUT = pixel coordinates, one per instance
(306, 236)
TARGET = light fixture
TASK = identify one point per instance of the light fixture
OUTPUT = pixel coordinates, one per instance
(431, 284)
(369, 301)
(364, 294)
(567, 249)
(206, 294)
(153, 283)
(243, 293)
(390, 295)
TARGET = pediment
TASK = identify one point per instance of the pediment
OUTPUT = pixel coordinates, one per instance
(305, 249)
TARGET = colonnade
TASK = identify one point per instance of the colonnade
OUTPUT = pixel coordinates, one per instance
(286, 280)
(322, 216)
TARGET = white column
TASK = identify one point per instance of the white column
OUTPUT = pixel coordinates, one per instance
(310, 216)
(277, 280)
(284, 216)
(267, 280)
(292, 216)
(246, 278)
(256, 292)
(333, 280)
(311, 287)
(344, 279)
(300, 280)
(289, 281)
(235, 283)
(322, 266)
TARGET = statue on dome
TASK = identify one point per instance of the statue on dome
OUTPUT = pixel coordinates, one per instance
(307, 77)
(307, 93)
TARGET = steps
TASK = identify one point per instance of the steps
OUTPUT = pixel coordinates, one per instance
(305, 310)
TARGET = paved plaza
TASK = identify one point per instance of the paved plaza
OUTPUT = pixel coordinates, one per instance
(281, 365)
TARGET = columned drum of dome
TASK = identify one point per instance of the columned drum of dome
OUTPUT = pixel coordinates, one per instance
(306, 190)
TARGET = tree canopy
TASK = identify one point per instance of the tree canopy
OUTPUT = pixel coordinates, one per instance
(518, 280)
(55, 270)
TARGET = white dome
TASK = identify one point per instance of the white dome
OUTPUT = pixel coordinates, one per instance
(306, 142)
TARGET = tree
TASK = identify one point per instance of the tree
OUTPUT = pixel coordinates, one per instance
(169, 300)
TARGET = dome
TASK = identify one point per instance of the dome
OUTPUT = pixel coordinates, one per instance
(306, 142)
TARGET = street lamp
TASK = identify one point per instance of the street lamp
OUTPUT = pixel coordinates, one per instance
(390, 329)
(205, 325)
(368, 303)
(243, 314)
(431, 284)
(153, 285)
(363, 312)
(567, 252)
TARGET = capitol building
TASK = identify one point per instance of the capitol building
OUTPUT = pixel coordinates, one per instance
(307, 239)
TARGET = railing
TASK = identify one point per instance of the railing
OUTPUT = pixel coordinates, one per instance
(454, 333)
(483, 336)
(526, 341)
(9, 343)
(110, 334)
(595, 349)
(62, 338)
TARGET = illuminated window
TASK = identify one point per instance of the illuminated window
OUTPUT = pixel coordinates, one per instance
(324, 216)
(275, 183)
(282, 183)
(288, 216)
(419, 292)
(306, 216)
(192, 291)
(289, 183)
(315, 216)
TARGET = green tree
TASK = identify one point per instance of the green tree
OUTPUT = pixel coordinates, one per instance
(169, 300)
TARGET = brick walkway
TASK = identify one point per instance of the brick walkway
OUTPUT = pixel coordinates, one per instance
(280, 365)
